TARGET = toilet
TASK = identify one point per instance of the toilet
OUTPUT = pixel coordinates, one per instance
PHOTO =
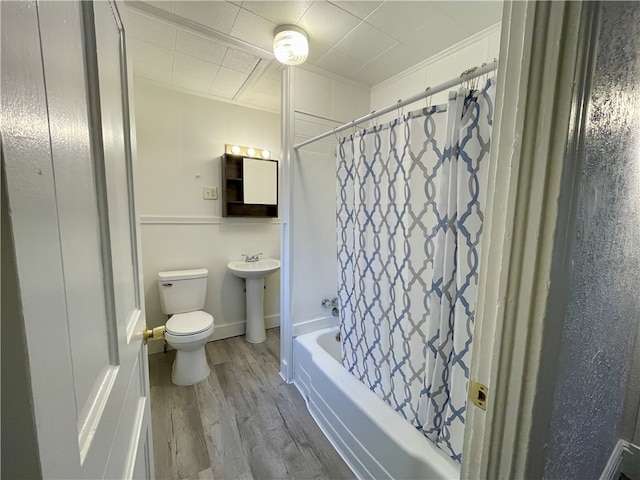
(182, 295)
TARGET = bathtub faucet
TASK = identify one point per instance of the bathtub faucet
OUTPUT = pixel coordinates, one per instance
(252, 258)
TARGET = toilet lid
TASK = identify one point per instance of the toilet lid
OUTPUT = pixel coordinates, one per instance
(189, 323)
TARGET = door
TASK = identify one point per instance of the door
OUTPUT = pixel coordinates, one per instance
(69, 176)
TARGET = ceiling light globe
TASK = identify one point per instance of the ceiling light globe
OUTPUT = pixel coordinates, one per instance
(290, 45)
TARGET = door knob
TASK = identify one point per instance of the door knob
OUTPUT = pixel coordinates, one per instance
(152, 334)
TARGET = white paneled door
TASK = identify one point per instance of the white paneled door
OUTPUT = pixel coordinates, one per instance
(69, 173)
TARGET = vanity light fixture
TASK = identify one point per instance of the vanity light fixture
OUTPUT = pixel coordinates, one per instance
(246, 151)
(290, 44)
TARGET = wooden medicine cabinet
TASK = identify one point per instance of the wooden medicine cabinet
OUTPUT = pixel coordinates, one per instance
(249, 186)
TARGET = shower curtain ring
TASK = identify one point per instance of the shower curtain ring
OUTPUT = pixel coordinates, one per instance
(427, 98)
(335, 134)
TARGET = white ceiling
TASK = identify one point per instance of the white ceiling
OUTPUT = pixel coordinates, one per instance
(223, 48)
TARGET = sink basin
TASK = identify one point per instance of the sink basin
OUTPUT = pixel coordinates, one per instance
(259, 269)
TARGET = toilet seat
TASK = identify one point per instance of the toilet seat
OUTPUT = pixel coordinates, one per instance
(189, 323)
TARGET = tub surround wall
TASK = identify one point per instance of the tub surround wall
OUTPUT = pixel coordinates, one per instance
(320, 103)
(180, 139)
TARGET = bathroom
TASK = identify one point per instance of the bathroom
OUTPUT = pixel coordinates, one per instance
(183, 125)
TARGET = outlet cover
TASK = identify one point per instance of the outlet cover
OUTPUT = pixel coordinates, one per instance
(210, 193)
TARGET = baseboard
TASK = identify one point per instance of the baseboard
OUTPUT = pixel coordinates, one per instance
(239, 328)
(309, 326)
(223, 331)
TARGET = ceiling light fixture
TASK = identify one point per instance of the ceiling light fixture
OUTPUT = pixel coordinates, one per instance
(290, 44)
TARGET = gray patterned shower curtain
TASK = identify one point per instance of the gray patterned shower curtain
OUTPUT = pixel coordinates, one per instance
(410, 199)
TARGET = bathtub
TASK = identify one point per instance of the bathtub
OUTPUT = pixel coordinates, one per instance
(373, 439)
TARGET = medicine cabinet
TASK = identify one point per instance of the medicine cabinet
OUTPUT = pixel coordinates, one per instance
(249, 186)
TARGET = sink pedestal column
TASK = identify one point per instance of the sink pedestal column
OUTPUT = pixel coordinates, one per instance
(256, 332)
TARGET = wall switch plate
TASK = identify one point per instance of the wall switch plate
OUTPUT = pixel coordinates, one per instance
(210, 193)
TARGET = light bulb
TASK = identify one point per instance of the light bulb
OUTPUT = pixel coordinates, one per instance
(251, 152)
(266, 153)
(290, 45)
(235, 149)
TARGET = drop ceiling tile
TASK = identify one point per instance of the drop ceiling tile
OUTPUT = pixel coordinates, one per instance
(185, 81)
(473, 16)
(433, 38)
(239, 60)
(185, 65)
(219, 16)
(393, 61)
(254, 29)
(151, 30)
(226, 76)
(327, 24)
(279, 12)
(400, 18)
(340, 63)
(152, 72)
(225, 91)
(360, 9)
(162, 4)
(152, 54)
(199, 47)
(317, 50)
(365, 43)
(371, 74)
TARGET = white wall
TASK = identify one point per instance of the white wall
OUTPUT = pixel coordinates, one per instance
(180, 138)
(450, 63)
(320, 103)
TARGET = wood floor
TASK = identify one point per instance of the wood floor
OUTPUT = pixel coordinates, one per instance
(242, 422)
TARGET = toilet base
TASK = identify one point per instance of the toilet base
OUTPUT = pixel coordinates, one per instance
(190, 368)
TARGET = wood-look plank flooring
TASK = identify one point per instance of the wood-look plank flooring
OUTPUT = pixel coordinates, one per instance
(243, 422)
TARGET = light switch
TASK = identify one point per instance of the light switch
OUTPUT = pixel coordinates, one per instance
(210, 193)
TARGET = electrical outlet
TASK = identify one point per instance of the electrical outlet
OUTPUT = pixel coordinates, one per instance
(210, 193)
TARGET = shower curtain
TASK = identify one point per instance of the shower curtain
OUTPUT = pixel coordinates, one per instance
(410, 199)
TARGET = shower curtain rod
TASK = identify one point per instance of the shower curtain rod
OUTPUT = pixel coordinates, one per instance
(464, 76)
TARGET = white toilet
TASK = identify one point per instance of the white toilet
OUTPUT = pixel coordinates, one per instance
(182, 295)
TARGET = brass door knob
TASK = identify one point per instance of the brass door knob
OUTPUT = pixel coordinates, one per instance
(152, 334)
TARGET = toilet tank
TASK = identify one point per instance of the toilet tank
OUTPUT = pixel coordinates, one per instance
(182, 290)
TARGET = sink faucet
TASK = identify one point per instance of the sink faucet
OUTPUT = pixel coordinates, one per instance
(252, 258)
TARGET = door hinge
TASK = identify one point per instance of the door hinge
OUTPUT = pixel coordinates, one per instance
(478, 394)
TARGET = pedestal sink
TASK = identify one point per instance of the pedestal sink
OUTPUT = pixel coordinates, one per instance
(254, 274)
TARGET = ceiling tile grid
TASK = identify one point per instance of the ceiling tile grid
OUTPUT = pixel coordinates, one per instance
(366, 41)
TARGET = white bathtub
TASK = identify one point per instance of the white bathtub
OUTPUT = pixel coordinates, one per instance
(374, 440)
